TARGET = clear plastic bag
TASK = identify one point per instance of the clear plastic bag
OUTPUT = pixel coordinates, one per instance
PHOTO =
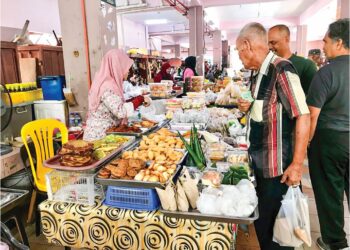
(292, 225)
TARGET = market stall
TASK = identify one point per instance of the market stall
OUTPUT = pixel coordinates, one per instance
(154, 183)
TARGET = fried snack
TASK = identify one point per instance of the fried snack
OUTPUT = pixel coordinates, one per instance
(119, 171)
(131, 172)
(104, 173)
(76, 153)
(77, 147)
(125, 129)
(122, 169)
(123, 163)
(136, 164)
(75, 160)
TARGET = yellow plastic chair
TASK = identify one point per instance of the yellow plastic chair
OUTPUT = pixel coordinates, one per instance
(41, 134)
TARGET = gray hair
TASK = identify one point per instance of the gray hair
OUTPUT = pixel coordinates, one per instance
(253, 32)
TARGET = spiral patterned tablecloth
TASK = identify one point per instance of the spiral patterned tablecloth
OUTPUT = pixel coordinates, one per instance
(103, 227)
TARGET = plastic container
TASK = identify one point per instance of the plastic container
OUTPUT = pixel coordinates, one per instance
(197, 83)
(52, 109)
(237, 156)
(163, 86)
(52, 87)
(212, 178)
(132, 198)
(74, 187)
(216, 152)
(161, 94)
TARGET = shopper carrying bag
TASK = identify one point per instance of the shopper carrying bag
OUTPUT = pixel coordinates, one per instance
(292, 225)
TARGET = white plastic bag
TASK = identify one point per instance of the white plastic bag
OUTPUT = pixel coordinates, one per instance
(292, 225)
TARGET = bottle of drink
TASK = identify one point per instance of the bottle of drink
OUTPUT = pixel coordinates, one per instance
(77, 119)
(71, 119)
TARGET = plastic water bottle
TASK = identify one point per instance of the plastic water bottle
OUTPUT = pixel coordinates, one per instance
(71, 120)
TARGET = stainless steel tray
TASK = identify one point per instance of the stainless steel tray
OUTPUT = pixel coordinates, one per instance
(16, 197)
(140, 184)
(55, 164)
(140, 134)
(196, 215)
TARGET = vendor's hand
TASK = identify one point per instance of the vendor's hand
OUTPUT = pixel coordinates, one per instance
(243, 105)
(292, 175)
(147, 102)
(124, 121)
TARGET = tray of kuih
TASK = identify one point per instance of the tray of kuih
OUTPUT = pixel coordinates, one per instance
(79, 155)
(152, 162)
(136, 128)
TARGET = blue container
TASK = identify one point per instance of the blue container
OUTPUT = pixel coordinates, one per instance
(52, 87)
(132, 198)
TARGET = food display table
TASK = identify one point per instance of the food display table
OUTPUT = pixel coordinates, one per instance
(103, 227)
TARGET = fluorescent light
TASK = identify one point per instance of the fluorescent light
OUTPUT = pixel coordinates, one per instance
(185, 45)
(156, 21)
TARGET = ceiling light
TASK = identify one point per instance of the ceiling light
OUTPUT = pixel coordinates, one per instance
(185, 45)
(156, 21)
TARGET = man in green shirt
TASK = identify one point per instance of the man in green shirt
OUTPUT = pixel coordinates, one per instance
(279, 37)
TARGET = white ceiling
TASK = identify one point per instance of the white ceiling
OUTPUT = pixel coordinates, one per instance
(265, 9)
(230, 16)
(169, 14)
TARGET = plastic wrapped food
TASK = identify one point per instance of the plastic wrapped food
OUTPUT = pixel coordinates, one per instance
(197, 83)
(212, 178)
(236, 157)
(237, 201)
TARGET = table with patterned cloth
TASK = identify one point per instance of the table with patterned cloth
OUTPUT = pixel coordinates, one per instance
(104, 227)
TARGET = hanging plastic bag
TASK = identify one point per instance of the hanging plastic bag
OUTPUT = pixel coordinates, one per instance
(292, 225)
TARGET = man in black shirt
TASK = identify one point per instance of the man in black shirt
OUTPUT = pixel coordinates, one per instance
(328, 101)
(279, 38)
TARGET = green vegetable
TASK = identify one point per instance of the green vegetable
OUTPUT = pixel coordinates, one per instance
(235, 174)
(213, 165)
(227, 178)
(194, 149)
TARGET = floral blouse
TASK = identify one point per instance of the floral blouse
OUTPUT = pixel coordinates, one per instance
(109, 113)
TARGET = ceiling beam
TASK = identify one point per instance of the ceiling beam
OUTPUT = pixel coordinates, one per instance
(169, 33)
(215, 3)
(267, 22)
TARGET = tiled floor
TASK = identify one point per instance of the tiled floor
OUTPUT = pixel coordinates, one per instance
(250, 242)
(244, 241)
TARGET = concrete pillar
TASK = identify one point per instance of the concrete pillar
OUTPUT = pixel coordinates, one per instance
(217, 48)
(102, 36)
(196, 21)
(177, 49)
(301, 40)
(343, 9)
(225, 54)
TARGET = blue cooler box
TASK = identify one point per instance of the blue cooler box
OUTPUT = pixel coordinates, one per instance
(52, 87)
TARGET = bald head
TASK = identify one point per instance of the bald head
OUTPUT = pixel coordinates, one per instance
(252, 45)
(279, 38)
(281, 28)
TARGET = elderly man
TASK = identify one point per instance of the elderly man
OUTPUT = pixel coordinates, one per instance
(328, 102)
(279, 38)
(279, 108)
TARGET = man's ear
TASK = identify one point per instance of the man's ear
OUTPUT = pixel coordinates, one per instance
(340, 43)
(247, 45)
(287, 39)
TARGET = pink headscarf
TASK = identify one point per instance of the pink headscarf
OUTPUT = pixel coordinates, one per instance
(115, 64)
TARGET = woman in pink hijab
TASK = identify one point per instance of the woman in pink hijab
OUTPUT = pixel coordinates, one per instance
(107, 106)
